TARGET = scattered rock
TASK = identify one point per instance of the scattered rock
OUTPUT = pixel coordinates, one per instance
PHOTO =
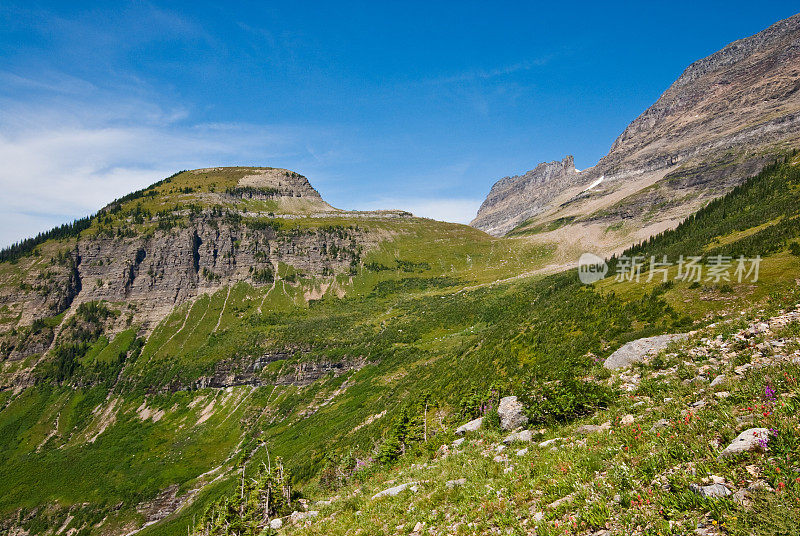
(524, 436)
(471, 426)
(511, 413)
(750, 439)
(392, 492)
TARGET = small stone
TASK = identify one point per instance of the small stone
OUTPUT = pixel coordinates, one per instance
(522, 452)
(760, 485)
(508, 469)
(458, 442)
(545, 444)
(718, 380)
(722, 394)
(419, 527)
(455, 483)
(396, 490)
(276, 523)
(659, 424)
(742, 498)
(627, 419)
(753, 470)
(538, 516)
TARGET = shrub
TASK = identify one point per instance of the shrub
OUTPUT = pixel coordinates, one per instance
(491, 420)
(564, 400)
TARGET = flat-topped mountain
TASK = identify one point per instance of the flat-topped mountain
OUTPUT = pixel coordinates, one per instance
(720, 122)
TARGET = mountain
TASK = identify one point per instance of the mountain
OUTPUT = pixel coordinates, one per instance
(726, 117)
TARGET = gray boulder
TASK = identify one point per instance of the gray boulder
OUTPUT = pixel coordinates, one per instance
(712, 491)
(636, 351)
(471, 426)
(392, 492)
(511, 413)
(525, 436)
(750, 439)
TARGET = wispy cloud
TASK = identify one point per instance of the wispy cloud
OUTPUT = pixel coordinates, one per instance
(488, 74)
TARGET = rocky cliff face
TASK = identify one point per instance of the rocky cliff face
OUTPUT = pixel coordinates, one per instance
(186, 236)
(720, 122)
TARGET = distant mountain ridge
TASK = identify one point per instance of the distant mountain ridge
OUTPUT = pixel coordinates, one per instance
(725, 117)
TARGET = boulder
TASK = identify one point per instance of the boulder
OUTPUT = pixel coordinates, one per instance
(636, 351)
(525, 436)
(392, 492)
(471, 426)
(661, 423)
(545, 444)
(627, 419)
(297, 517)
(586, 429)
(511, 413)
(712, 491)
(750, 439)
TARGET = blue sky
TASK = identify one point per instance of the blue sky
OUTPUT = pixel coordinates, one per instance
(413, 105)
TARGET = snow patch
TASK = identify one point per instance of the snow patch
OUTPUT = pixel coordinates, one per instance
(595, 183)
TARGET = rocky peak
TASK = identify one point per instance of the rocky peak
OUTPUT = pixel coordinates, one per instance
(512, 200)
